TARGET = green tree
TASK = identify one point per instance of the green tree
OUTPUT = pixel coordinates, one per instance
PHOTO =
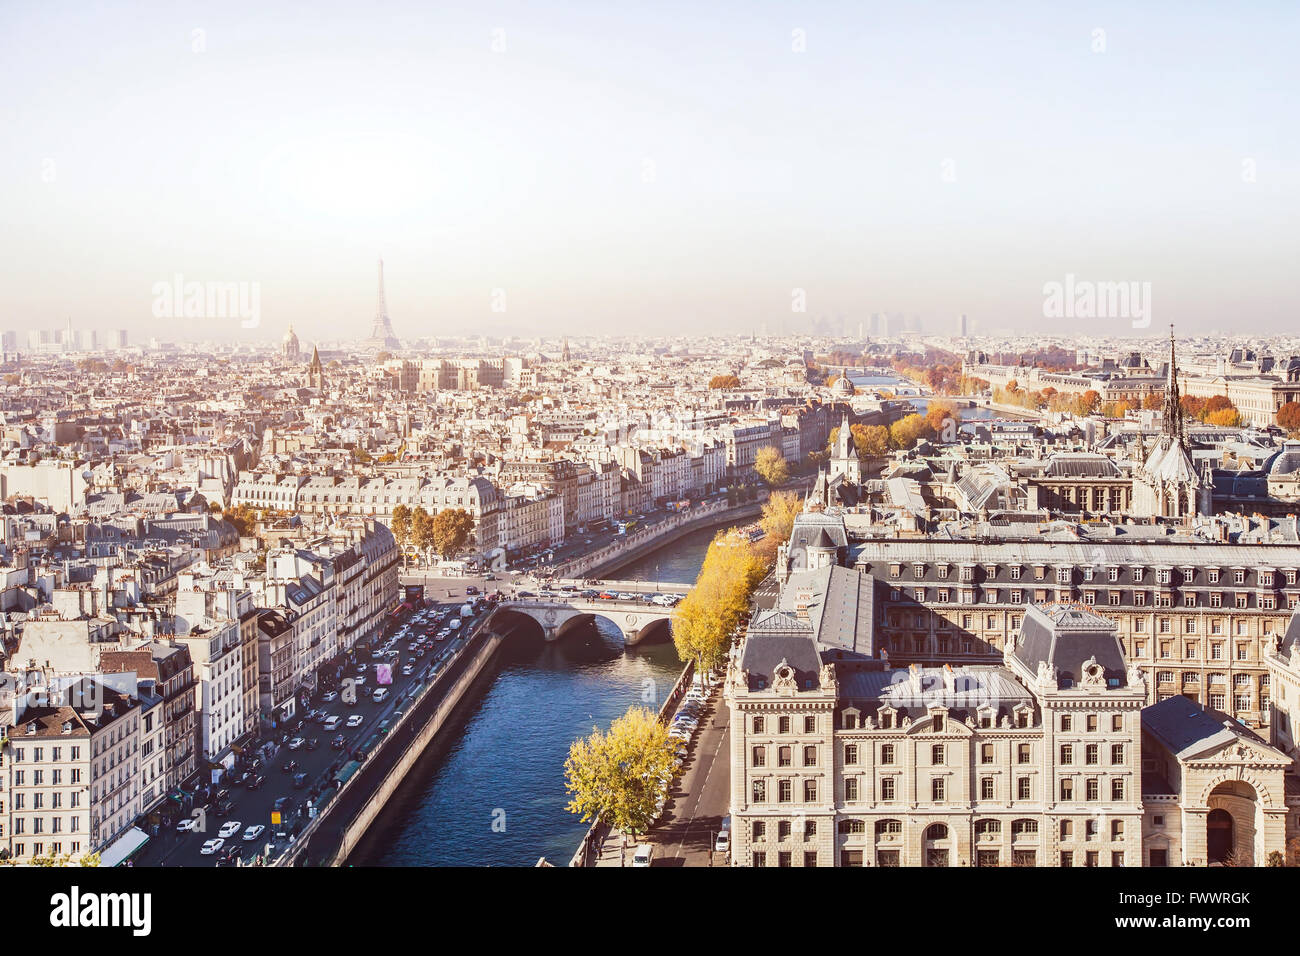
(616, 775)
(772, 466)
(450, 530)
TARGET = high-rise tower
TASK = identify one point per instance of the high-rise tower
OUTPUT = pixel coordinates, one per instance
(381, 335)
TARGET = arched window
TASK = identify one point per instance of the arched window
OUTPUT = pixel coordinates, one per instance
(889, 827)
(988, 827)
(936, 831)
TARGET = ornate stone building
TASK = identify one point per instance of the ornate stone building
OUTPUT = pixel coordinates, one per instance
(1046, 759)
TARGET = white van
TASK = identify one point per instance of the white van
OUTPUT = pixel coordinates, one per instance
(379, 695)
(642, 855)
(723, 843)
(332, 722)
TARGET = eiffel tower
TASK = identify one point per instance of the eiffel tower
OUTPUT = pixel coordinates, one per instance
(381, 335)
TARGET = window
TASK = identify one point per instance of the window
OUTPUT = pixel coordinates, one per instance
(1023, 753)
(1092, 754)
(853, 826)
(810, 756)
(758, 725)
(886, 753)
(988, 827)
(809, 791)
(851, 754)
(809, 829)
(936, 754)
(760, 858)
(986, 788)
(1116, 753)
(810, 858)
(760, 791)
(759, 757)
(1092, 789)
(850, 788)
(1067, 789)
(1117, 789)
(759, 832)
(783, 725)
(1067, 829)
(1024, 828)
(1065, 722)
(783, 830)
(887, 789)
(783, 756)
(810, 724)
(1117, 829)
(986, 753)
(784, 791)
(1024, 789)
(1067, 753)
(1117, 723)
(938, 787)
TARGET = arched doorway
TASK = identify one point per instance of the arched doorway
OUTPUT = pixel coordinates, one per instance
(936, 851)
(1219, 840)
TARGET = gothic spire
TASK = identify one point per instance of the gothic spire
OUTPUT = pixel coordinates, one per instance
(1173, 422)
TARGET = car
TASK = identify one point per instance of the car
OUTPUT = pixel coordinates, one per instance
(605, 596)
(229, 828)
(187, 825)
(232, 856)
(332, 721)
(299, 781)
(254, 831)
(359, 680)
(407, 670)
(722, 843)
(525, 594)
(643, 855)
(329, 696)
(471, 589)
(379, 695)
(312, 743)
(296, 743)
(355, 720)
(212, 846)
(339, 742)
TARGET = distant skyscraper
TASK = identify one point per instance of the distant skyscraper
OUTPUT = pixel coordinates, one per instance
(119, 339)
(381, 336)
(962, 328)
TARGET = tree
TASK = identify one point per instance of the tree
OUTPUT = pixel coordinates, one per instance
(772, 466)
(943, 418)
(1091, 401)
(1288, 416)
(360, 454)
(777, 521)
(616, 776)
(401, 528)
(242, 517)
(872, 441)
(724, 381)
(907, 431)
(1224, 418)
(450, 530)
(422, 530)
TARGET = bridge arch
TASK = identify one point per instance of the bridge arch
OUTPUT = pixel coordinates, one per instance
(634, 621)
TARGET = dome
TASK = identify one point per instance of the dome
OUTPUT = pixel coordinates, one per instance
(842, 386)
(290, 342)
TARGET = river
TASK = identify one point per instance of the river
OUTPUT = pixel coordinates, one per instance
(493, 794)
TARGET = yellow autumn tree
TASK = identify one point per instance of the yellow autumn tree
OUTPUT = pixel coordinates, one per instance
(615, 775)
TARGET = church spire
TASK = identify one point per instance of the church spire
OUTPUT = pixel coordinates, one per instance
(1173, 422)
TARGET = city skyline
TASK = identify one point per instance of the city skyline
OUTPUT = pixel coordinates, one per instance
(565, 170)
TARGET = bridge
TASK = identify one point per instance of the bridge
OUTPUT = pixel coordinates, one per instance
(559, 613)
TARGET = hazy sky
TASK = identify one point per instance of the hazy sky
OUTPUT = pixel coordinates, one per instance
(661, 165)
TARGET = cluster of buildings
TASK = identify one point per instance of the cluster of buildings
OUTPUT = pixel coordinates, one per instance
(1047, 647)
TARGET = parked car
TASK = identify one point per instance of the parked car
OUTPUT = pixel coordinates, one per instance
(723, 842)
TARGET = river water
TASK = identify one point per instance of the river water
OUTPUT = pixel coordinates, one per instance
(493, 795)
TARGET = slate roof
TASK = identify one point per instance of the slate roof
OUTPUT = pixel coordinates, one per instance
(763, 652)
(1066, 636)
(1185, 729)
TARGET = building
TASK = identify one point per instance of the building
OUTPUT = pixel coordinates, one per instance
(840, 760)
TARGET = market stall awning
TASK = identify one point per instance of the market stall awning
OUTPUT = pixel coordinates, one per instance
(124, 847)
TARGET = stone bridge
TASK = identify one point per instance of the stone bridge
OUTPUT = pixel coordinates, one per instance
(557, 615)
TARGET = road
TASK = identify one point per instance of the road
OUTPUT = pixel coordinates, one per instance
(171, 848)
